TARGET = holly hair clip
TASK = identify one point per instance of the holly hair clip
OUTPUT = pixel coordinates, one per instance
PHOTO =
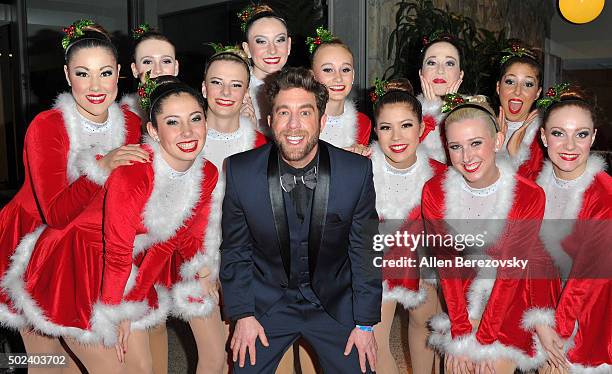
(145, 89)
(438, 35)
(552, 95)
(380, 88)
(323, 36)
(245, 15)
(451, 101)
(515, 50)
(75, 31)
(139, 31)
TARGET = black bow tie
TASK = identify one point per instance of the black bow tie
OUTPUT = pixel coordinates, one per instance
(309, 179)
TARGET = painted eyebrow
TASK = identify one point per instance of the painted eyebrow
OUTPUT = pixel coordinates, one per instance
(102, 68)
(152, 56)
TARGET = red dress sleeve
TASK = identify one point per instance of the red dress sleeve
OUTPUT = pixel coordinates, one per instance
(46, 150)
(531, 168)
(128, 190)
(260, 139)
(364, 128)
(452, 281)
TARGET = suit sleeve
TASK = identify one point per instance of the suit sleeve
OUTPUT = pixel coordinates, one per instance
(126, 195)
(46, 149)
(367, 279)
(236, 273)
(451, 279)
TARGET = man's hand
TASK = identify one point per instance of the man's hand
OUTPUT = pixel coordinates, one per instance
(246, 332)
(366, 347)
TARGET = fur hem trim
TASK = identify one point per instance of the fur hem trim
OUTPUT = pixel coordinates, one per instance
(344, 133)
(552, 234)
(162, 216)
(11, 320)
(189, 301)
(410, 299)
(538, 316)
(105, 318)
(78, 150)
(155, 316)
(478, 296)
(467, 345)
(131, 100)
(524, 152)
(601, 369)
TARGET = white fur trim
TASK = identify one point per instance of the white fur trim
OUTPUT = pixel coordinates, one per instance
(398, 206)
(154, 317)
(105, 318)
(132, 102)
(553, 233)
(343, 134)
(80, 155)
(189, 287)
(601, 369)
(467, 345)
(408, 298)
(433, 141)
(163, 216)
(9, 319)
(524, 152)
(15, 286)
(478, 295)
(538, 316)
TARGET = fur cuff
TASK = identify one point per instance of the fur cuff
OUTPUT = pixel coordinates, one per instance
(87, 165)
(440, 323)
(189, 301)
(11, 320)
(538, 316)
(410, 299)
(105, 318)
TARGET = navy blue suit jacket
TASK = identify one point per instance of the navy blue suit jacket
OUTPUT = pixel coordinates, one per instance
(255, 253)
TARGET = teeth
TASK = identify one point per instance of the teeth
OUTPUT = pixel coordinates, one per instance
(571, 157)
(471, 167)
(399, 147)
(187, 145)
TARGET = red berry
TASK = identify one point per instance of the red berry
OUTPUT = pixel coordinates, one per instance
(141, 92)
(551, 92)
(425, 40)
(373, 96)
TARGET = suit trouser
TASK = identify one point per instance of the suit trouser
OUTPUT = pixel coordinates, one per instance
(294, 317)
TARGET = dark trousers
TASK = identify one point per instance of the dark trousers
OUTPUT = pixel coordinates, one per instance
(294, 317)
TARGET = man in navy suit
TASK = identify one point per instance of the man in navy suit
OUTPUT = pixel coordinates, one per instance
(297, 259)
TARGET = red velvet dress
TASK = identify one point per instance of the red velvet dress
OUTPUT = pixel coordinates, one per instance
(160, 217)
(498, 299)
(578, 238)
(62, 182)
(432, 139)
(398, 203)
(351, 127)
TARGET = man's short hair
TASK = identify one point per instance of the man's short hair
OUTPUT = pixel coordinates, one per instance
(297, 77)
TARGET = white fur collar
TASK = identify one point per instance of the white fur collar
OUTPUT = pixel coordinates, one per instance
(170, 204)
(398, 207)
(132, 102)
(433, 141)
(432, 108)
(80, 154)
(553, 232)
(344, 133)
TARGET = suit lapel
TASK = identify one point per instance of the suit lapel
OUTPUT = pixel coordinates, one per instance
(319, 207)
(278, 209)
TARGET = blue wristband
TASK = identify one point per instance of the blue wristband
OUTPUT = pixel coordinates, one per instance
(365, 328)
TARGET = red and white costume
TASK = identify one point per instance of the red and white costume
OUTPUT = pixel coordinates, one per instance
(131, 101)
(160, 217)
(432, 138)
(220, 146)
(65, 184)
(577, 234)
(398, 203)
(530, 157)
(351, 127)
(513, 208)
